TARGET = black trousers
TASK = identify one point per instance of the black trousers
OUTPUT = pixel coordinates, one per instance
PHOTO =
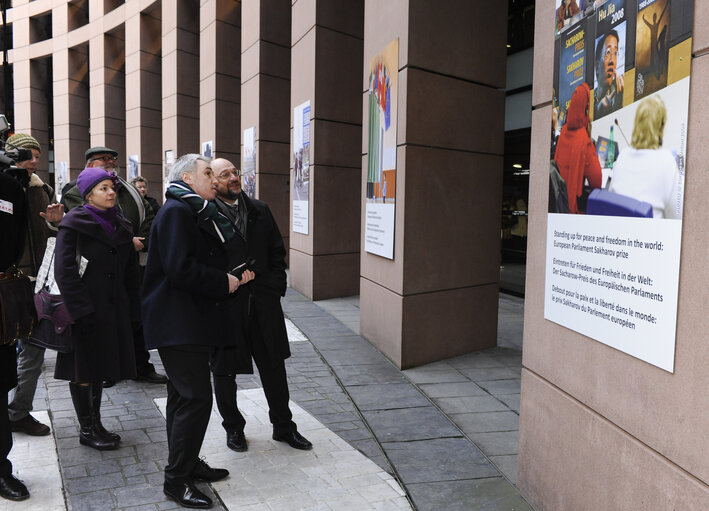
(275, 387)
(142, 356)
(8, 377)
(189, 404)
(5, 437)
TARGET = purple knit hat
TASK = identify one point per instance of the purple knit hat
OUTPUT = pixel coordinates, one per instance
(90, 177)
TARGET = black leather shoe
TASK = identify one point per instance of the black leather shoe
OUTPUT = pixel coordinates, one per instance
(294, 439)
(204, 472)
(30, 426)
(187, 495)
(152, 377)
(12, 488)
(236, 441)
(107, 384)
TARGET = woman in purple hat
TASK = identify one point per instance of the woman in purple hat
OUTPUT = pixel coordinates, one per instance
(96, 269)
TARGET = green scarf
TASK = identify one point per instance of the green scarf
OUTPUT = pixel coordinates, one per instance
(204, 209)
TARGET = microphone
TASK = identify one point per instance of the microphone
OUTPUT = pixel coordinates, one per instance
(621, 131)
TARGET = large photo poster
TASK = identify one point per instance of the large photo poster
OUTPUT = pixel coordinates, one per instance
(381, 153)
(616, 181)
(301, 167)
(248, 169)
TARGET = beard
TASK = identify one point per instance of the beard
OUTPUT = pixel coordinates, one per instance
(230, 194)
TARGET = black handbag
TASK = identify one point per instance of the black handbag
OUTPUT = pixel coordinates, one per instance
(17, 311)
(54, 328)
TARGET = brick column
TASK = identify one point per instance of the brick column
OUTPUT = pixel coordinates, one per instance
(107, 82)
(265, 98)
(438, 297)
(31, 77)
(143, 98)
(180, 77)
(326, 70)
(219, 77)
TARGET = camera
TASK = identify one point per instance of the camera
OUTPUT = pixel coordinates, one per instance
(10, 155)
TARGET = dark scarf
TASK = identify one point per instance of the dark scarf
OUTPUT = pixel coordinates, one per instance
(108, 219)
(204, 209)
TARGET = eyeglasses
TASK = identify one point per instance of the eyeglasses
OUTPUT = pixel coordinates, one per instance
(609, 52)
(104, 159)
(226, 175)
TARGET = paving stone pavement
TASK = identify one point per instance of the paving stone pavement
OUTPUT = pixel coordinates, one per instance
(272, 475)
(445, 433)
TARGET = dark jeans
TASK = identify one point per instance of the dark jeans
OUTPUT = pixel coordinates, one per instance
(189, 405)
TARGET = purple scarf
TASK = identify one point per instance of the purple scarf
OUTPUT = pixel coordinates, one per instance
(106, 219)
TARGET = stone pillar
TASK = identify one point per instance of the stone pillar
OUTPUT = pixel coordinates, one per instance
(219, 72)
(71, 107)
(107, 82)
(438, 297)
(326, 70)
(265, 99)
(601, 429)
(71, 96)
(180, 77)
(32, 78)
(143, 98)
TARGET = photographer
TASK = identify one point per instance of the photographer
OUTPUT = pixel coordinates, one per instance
(41, 213)
(13, 208)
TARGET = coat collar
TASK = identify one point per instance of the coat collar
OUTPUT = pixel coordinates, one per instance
(36, 181)
(82, 221)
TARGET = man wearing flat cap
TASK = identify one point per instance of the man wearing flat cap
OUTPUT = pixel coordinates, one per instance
(43, 213)
(139, 212)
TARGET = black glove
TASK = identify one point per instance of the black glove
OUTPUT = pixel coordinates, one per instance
(85, 325)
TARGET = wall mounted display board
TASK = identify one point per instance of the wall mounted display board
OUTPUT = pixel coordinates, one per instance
(616, 183)
(381, 153)
(301, 167)
(248, 169)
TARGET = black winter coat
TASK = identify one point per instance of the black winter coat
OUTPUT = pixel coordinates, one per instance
(185, 283)
(108, 289)
(13, 214)
(8, 367)
(13, 219)
(265, 246)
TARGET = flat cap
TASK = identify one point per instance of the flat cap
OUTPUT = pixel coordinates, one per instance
(99, 150)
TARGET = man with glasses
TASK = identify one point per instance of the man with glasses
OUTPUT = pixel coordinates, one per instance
(264, 336)
(140, 214)
(609, 90)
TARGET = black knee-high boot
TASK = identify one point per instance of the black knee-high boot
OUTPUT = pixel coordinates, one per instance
(88, 435)
(96, 393)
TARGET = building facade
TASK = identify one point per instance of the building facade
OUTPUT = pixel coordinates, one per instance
(155, 79)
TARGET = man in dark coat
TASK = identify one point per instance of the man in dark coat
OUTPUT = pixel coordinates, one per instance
(12, 223)
(266, 339)
(140, 214)
(185, 286)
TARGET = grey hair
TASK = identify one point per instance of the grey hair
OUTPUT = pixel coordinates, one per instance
(185, 163)
(138, 179)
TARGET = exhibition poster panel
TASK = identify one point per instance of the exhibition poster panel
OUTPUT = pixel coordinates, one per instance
(301, 167)
(616, 177)
(381, 152)
(248, 169)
